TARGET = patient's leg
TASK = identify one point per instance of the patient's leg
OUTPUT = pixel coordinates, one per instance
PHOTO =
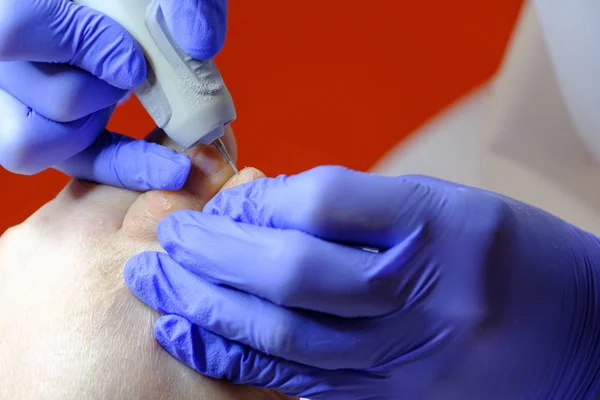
(69, 328)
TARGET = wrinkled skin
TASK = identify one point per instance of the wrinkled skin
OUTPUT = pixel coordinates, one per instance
(69, 327)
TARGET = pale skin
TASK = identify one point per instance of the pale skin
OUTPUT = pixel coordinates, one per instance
(69, 327)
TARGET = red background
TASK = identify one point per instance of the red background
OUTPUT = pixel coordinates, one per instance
(328, 82)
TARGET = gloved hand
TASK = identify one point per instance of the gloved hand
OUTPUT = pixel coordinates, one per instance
(472, 295)
(64, 68)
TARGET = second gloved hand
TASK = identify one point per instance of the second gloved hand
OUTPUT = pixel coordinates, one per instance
(63, 70)
(472, 295)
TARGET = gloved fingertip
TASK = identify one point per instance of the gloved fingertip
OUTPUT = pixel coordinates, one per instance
(241, 199)
(198, 27)
(149, 166)
(175, 335)
(213, 205)
(171, 329)
(168, 229)
(138, 271)
(126, 66)
(132, 268)
(176, 171)
(138, 70)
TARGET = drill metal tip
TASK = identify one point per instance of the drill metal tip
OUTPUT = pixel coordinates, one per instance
(223, 150)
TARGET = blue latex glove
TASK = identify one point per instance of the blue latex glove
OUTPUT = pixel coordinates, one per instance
(472, 296)
(64, 68)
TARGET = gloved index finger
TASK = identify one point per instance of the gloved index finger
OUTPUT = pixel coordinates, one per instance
(291, 268)
(59, 31)
(333, 203)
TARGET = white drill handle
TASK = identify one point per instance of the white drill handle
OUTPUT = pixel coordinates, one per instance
(186, 98)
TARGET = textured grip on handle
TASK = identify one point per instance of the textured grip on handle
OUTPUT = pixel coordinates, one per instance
(185, 97)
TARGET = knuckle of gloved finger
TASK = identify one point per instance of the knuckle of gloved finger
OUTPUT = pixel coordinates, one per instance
(293, 253)
(284, 339)
(423, 186)
(70, 112)
(493, 222)
(15, 148)
(321, 188)
(492, 213)
(76, 94)
(57, 91)
(448, 206)
(67, 110)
